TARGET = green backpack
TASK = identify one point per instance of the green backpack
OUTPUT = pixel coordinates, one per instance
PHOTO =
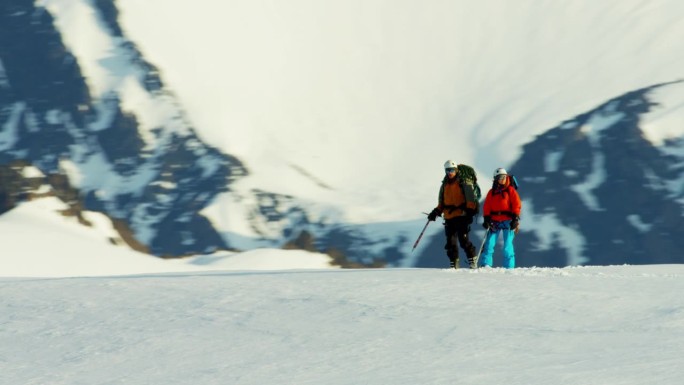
(468, 181)
(471, 189)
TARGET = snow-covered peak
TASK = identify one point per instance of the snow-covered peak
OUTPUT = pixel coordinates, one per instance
(371, 97)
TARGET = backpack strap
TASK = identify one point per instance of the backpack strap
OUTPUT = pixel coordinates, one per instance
(514, 181)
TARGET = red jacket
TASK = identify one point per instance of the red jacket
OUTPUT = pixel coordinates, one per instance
(502, 203)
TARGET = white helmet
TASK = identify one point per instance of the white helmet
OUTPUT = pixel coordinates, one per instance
(499, 171)
(449, 164)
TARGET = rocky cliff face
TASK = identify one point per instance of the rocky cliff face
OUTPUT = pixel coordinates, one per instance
(156, 184)
(598, 178)
(153, 182)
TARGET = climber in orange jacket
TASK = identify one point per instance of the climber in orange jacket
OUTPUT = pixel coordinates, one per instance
(457, 216)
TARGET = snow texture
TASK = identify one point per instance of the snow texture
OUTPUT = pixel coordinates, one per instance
(80, 310)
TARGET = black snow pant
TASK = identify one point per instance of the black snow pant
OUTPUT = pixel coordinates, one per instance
(456, 230)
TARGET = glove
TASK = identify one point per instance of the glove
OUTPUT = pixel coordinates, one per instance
(433, 214)
(515, 223)
(470, 212)
(487, 222)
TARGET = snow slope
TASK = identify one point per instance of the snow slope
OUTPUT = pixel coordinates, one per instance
(370, 97)
(80, 310)
(37, 241)
(589, 325)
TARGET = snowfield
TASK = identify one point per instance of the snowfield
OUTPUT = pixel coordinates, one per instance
(587, 325)
(77, 309)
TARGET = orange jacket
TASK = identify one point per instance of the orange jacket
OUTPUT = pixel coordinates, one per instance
(502, 203)
(452, 201)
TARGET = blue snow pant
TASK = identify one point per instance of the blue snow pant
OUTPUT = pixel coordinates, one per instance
(490, 242)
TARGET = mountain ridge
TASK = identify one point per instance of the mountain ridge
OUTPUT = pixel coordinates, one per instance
(126, 142)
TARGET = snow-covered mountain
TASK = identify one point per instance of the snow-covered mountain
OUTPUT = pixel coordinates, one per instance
(139, 162)
(228, 124)
(599, 190)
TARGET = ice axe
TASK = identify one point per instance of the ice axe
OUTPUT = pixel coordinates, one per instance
(420, 236)
(484, 239)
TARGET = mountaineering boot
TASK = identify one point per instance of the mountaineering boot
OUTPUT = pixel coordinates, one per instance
(472, 257)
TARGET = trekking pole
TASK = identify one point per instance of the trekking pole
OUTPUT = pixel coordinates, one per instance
(482, 246)
(420, 236)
